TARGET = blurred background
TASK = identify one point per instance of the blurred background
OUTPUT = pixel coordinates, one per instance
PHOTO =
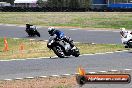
(65, 5)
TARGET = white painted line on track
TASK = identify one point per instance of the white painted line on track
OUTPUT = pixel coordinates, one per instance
(118, 51)
(18, 78)
(93, 43)
(109, 52)
(76, 42)
(80, 55)
(9, 25)
(113, 70)
(13, 60)
(113, 44)
(13, 25)
(43, 76)
(66, 74)
(73, 29)
(29, 77)
(17, 25)
(45, 40)
(76, 73)
(128, 69)
(87, 54)
(115, 31)
(26, 59)
(57, 56)
(31, 39)
(63, 75)
(39, 26)
(16, 38)
(98, 30)
(54, 57)
(55, 76)
(91, 72)
(103, 71)
(125, 50)
(100, 53)
(8, 79)
(21, 26)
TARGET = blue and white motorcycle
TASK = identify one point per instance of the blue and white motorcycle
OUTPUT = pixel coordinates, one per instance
(61, 48)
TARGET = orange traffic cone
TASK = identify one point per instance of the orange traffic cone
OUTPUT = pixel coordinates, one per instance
(81, 71)
(5, 45)
(21, 47)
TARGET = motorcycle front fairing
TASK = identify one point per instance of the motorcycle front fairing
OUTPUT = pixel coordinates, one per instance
(51, 42)
(126, 39)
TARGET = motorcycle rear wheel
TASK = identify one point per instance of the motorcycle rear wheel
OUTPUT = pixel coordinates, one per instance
(76, 52)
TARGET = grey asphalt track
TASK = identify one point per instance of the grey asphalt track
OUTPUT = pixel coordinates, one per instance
(58, 66)
(55, 66)
(108, 37)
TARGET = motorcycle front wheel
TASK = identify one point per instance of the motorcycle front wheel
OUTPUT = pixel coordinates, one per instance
(38, 34)
(58, 51)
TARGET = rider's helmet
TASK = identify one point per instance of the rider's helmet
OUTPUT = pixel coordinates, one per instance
(123, 31)
(51, 30)
(27, 24)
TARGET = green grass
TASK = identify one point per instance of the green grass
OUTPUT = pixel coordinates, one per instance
(113, 20)
(34, 49)
(31, 49)
(98, 48)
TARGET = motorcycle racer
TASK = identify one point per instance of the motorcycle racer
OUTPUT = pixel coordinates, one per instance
(125, 36)
(60, 35)
(32, 30)
(30, 27)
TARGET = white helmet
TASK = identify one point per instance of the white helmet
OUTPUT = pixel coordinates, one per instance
(51, 30)
(123, 31)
